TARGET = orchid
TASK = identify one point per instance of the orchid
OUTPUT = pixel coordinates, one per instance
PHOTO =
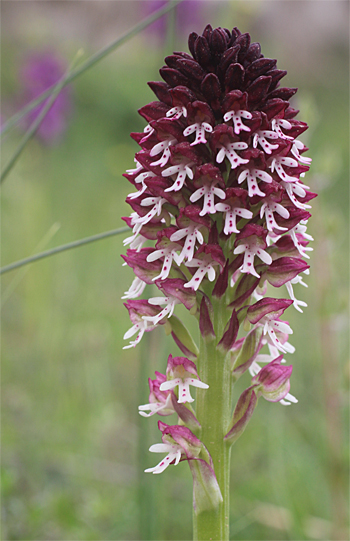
(222, 210)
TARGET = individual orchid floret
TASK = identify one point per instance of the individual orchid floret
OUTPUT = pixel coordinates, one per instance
(163, 147)
(167, 250)
(298, 147)
(270, 206)
(273, 380)
(236, 117)
(157, 203)
(208, 191)
(183, 171)
(208, 178)
(136, 241)
(300, 237)
(160, 401)
(137, 309)
(230, 216)
(277, 164)
(203, 118)
(178, 442)
(293, 189)
(190, 223)
(205, 267)
(177, 112)
(136, 289)
(283, 270)
(173, 451)
(266, 313)
(224, 141)
(182, 372)
(255, 368)
(228, 152)
(261, 136)
(289, 286)
(235, 104)
(251, 175)
(277, 124)
(200, 128)
(233, 209)
(141, 179)
(252, 242)
(170, 303)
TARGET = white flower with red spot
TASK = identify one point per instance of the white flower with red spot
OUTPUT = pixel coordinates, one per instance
(236, 117)
(192, 235)
(174, 454)
(138, 328)
(293, 189)
(231, 212)
(251, 175)
(200, 128)
(268, 208)
(251, 242)
(182, 373)
(228, 151)
(170, 303)
(157, 203)
(176, 112)
(183, 171)
(208, 192)
(298, 234)
(261, 136)
(205, 267)
(295, 150)
(277, 164)
(277, 124)
(163, 147)
(169, 253)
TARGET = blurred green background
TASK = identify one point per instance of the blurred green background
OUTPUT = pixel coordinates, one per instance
(74, 447)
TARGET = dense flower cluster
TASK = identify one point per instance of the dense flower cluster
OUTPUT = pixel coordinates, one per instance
(219, 193)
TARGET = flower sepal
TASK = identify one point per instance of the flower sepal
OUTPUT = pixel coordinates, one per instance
(242, 414)
(248, 352)
(206, 491)
(273, 380)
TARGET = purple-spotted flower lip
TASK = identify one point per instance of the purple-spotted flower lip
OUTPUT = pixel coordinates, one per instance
(178, 442)
(182, 373)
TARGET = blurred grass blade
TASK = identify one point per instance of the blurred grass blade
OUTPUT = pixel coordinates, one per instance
(20, 275)
(90, 62)
(36, 123)
(62, 248)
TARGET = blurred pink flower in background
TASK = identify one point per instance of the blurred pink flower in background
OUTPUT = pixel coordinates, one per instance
(38, 72)
(188, 15)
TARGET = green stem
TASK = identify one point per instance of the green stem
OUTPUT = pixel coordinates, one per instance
(213, 410)
(63, 248)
